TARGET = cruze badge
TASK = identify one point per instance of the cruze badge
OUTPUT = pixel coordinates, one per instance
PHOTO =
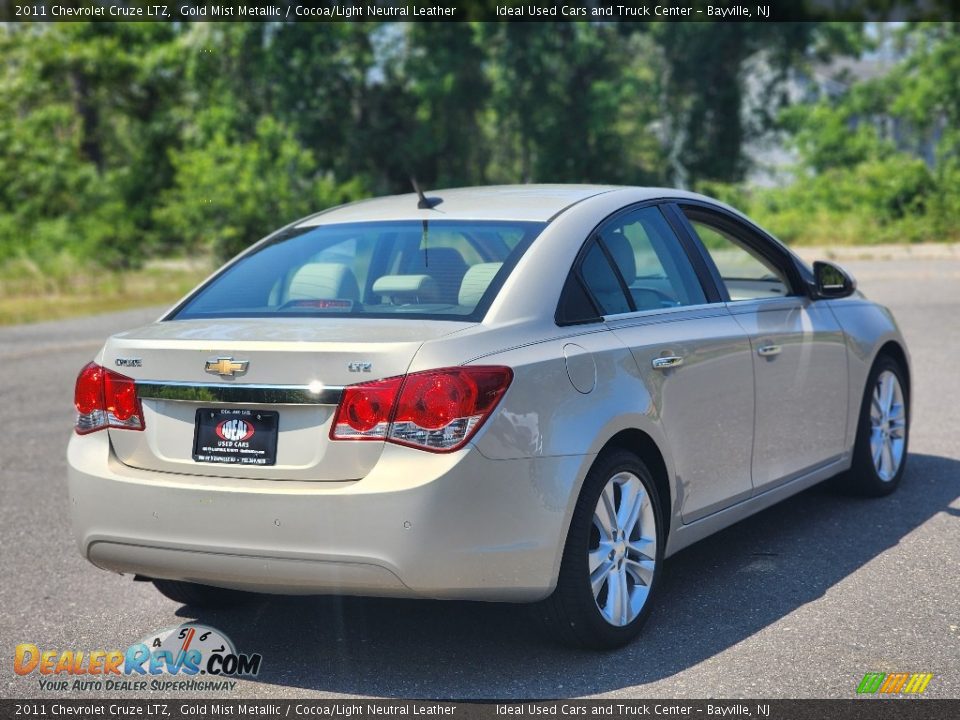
(226, 366)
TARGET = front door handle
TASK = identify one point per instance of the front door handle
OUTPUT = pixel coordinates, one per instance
(665, 363)
(768, 350)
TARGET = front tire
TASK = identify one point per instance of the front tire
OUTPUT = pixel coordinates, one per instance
(883, 432)
(612, 557)
(201, 596)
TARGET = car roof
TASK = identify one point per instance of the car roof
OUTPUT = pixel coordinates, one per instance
(535, 203)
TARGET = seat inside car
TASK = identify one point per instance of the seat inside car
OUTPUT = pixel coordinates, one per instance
(406, 289)
(624, 256)
(322, 281)
(476, 281)
(445, 265)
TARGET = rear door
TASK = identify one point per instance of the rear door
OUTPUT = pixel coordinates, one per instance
(799, 354)
(690, 353)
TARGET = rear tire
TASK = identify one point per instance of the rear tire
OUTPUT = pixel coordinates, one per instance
(611, 560)
(201, 596)
(883, 432)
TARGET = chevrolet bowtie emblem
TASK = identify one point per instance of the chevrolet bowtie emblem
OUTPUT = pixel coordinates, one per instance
(226, 366)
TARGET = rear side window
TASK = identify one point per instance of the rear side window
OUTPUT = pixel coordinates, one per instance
(603, 281)
(442, 269)
(634, 262)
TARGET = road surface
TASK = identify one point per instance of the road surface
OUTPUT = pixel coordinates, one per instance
(798, 601)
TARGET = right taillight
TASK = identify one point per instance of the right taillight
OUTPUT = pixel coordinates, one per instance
(105, 399)
(437, 410)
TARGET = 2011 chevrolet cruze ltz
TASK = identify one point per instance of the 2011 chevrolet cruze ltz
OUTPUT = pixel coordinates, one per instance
(528, 393)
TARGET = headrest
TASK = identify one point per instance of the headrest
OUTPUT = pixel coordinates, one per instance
(476, 281)
(323, 280)
(622, 251)
(408, 286)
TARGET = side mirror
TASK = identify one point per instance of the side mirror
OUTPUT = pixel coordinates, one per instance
(832, 281)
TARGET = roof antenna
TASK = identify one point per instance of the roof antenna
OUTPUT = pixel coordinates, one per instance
(424, 203)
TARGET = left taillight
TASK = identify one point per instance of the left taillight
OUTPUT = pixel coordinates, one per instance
(105, 399)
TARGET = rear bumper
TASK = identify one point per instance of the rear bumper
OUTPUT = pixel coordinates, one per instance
(419, 525)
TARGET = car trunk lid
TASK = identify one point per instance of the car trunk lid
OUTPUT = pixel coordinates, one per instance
(294, 367)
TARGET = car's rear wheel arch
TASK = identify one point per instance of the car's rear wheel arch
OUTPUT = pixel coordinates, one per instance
(643, 446)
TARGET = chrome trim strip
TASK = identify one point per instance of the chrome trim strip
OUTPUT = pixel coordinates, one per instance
(238, 394)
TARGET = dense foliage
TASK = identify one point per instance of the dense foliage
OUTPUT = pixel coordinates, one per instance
(126, 141)
(880, 162)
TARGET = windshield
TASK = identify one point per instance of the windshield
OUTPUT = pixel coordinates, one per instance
(438, 269)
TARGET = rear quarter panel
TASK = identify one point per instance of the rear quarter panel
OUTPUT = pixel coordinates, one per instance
(543, 414)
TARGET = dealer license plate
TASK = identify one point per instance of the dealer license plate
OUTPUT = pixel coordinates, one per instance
(236, 436)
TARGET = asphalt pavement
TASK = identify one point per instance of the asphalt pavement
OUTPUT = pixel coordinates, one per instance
(798, 601)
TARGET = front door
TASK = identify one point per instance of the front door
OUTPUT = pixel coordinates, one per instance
(799, 355)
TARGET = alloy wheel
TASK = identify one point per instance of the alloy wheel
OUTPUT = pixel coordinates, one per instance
(623, 549)
(888, 421)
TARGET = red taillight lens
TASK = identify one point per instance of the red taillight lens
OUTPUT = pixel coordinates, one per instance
(120, 393)
(106, 399)
(437, 410)
(88, 393)
(364, 412)
(433, 400)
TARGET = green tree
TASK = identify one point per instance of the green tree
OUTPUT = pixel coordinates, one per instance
(228, 194)
(570, 103)
(706, 67)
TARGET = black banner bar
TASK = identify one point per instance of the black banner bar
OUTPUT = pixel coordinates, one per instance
(477, 10)
(858, 709)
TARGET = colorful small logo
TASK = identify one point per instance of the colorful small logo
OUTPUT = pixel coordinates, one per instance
(894, 683)
(235, 430)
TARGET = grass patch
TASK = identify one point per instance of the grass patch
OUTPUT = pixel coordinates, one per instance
(68, 289)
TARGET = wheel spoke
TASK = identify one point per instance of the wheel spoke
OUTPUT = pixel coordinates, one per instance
(896, 447)
(617, 597)
(642, 549)
(631, 502)
(605, 515)
(599, 576)
(642, 570)
(887, 388)
(887, 468)
(897, 412)
(876, 448)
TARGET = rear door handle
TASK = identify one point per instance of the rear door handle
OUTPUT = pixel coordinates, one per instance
(665, 363)
(768, 350)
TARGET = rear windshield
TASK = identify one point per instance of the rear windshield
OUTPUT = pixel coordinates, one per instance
(439, 269)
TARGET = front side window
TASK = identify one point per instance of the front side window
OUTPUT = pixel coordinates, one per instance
(635, 262)
(440, 269)
(746, 274)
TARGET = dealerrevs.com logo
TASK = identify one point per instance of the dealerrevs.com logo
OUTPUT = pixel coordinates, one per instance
(186, 652)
